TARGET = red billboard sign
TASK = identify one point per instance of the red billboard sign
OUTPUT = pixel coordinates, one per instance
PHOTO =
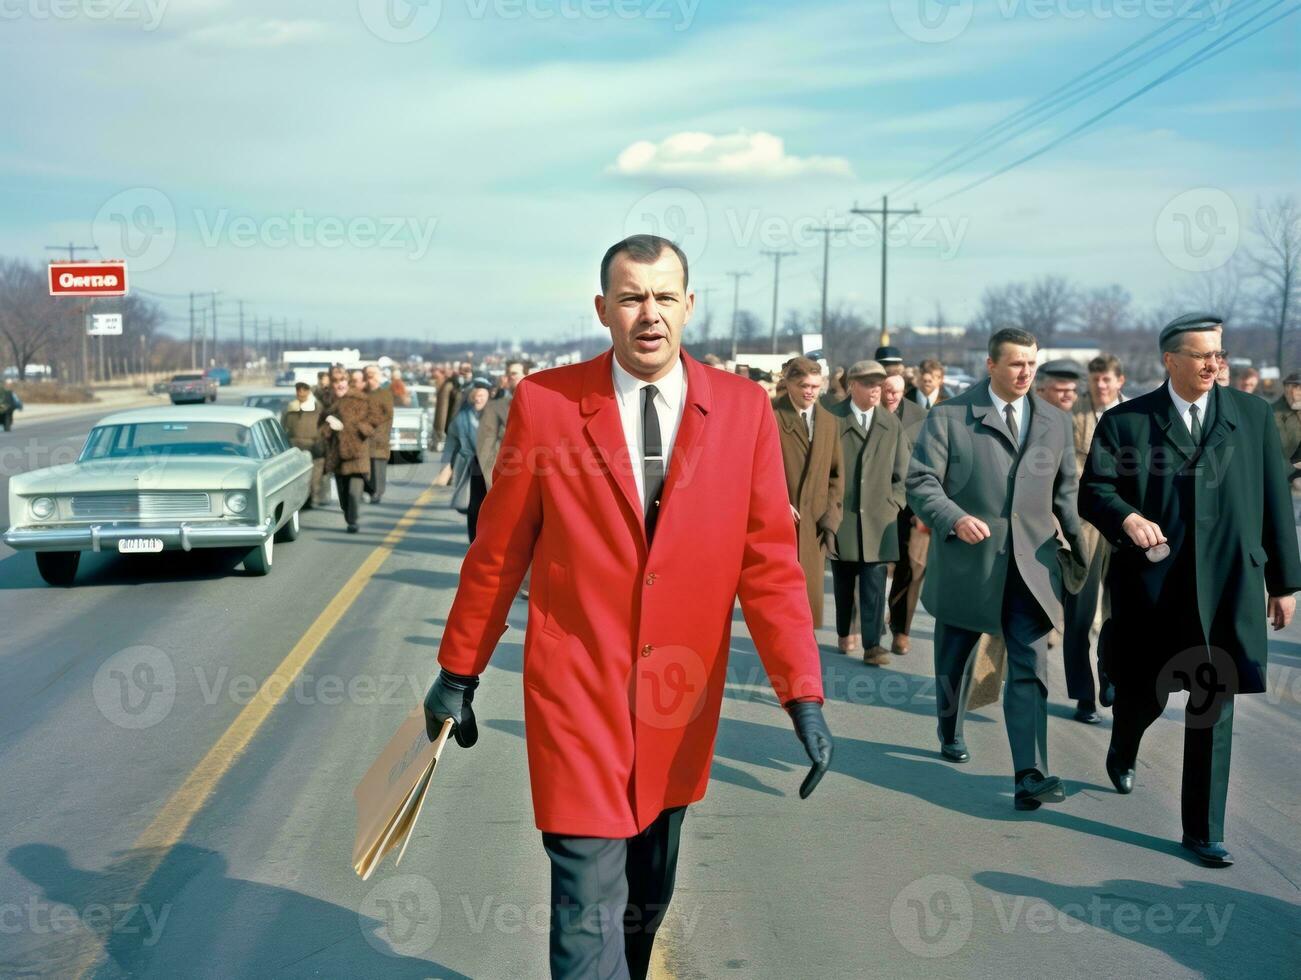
(88, 278)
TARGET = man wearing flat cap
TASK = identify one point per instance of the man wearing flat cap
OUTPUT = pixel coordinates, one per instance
(1188, 483)
(1058, 383)
(875, 459)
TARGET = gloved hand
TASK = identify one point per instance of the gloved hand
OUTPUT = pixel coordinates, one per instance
(452, 696)
(812, 730)
(334, 423)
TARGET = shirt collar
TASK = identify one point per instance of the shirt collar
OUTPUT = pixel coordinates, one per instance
(1181, 405)
(1017, 406)
(671, 387)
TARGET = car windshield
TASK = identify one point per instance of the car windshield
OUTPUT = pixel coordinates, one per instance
(275, 403)
(143, 439)
(187, 377)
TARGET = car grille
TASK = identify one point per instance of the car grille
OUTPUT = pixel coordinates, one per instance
(177, 504)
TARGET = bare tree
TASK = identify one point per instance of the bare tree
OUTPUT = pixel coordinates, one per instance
(1046, 306)
(999, 308)
(1277, 264)
(1104, 311)
(29, 317)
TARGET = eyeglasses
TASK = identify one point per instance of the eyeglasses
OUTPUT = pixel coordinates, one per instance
(1204, 356)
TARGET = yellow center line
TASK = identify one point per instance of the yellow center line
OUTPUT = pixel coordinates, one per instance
(174, 819)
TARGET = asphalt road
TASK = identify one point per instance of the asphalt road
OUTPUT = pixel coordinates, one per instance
(148, 831)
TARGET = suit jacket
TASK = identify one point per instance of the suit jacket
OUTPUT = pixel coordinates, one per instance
(914, 395)
(814, 486)
(1225, 509)
(912, 416)
(876, 465)
(492, 426)
(963, 463)
(625, 657)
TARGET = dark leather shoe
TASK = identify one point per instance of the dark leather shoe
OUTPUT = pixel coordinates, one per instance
(1212, 854)
(1087, 712)
(955, 751)
(1122, 779)
(352, 529)
(1106, 689)
(1034, 789)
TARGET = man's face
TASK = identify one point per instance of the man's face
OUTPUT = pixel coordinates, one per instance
(1190, 375)
(514, 375)
(866, 393)
(929, 382)
(1013, 373)
(340, 387)
(645, 308)
(1293, 395)
(467, 370)
(892, 391)
(304, 394)
(804, 391)
(478, 398)
(338, 374)
(1059, 392)
(372, 378)
(356, 382)
(1104, 387)
(1248, 383)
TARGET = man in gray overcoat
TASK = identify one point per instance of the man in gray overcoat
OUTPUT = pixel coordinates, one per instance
(875, 452)
(991, 469)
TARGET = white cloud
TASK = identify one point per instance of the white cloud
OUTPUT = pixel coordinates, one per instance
(744, 154)
(268, 33)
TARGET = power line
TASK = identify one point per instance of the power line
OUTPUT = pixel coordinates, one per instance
(1219, 46)
(736, 297)
(777, 256)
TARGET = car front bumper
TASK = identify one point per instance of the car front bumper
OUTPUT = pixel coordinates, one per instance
(182, 536)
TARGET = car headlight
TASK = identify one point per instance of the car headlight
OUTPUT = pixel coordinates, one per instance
(43, 508)
(237, 503)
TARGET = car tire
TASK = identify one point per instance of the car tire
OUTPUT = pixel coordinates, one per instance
(257, 561)
(58, 567)
(290, 530)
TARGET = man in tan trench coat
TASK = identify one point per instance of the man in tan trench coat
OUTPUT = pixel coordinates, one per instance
(811, 456)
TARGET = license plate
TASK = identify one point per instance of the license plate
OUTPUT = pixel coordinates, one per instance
(138, 546)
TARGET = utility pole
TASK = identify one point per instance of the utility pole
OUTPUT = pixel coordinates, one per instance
(257, 350)
(882, 216)
(736, 301)
(241, 335)
(826, 256)
(216, 351)
(192, 360)
(83, 307)
(776, 275)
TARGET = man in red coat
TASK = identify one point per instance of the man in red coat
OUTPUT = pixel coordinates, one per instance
(646, 491)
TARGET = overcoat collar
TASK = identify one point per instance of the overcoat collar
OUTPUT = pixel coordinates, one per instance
(604, 430)
(983, 410)
(791, 420)
(1224, 420)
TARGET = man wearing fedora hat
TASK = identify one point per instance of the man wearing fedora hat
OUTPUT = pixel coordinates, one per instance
(875, 452)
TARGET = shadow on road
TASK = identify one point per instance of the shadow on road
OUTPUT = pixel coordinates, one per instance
(1212, 930)
(191, 919)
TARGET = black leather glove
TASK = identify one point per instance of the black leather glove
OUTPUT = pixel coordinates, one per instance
(452, 696)
(812, 730)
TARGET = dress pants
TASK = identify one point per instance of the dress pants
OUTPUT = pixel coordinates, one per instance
(1025, 696)
(478, 490)
(906, 583)
(350, 488)
(378, 481)
(608, 898)
(859, 589)
(1083, 616)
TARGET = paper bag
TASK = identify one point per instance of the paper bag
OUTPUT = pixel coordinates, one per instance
(987, 671)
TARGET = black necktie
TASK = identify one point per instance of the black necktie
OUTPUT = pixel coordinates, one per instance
(1195, 424)
(652, 466)
(1011, 424)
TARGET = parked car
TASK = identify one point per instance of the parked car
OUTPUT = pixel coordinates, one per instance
(191, 387)
(412, 430)
(164, 479)
(220, 375)
(273, 400)
(286, 379)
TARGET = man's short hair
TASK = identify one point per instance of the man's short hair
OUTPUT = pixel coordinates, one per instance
(513, 361)
(1010, 335)
(322, 374)
(1104, 363)
(302, 386)
(641, 248)
(800, 367)
(930, 366)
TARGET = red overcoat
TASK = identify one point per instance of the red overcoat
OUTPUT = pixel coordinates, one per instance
(625, 656)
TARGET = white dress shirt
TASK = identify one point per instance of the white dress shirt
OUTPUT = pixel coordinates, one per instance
(668, 404)
(864, 417)
(807, 415)
(1018, 413)
(1182, 406)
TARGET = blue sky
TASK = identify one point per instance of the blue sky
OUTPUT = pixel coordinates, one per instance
(456, 169)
